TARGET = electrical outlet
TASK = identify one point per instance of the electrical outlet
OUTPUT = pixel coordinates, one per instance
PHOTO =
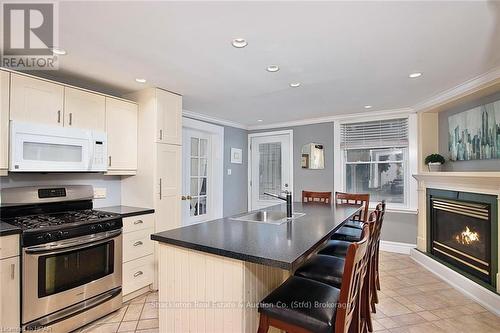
(99, 193)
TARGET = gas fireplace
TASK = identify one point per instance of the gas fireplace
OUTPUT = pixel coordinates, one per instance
(461, 229)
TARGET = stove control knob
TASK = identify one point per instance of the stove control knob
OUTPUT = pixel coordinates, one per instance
(58, 235)
(93, 227)
(100, 227)
(48, 237)
(107, 226)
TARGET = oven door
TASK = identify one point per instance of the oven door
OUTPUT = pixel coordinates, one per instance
(59, 274)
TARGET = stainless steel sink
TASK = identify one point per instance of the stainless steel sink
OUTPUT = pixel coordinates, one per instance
(273, 217)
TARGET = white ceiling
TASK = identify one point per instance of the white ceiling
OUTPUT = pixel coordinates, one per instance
(346, 55)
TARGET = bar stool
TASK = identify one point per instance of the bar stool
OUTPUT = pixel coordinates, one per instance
(321, 197)
(304, 305)
(355, 199)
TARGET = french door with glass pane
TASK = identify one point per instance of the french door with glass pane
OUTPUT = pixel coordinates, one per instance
(196, 177)
(270, 169)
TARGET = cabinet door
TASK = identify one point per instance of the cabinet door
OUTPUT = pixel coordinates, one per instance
(121, 127)
(10, 307)
(4, 121)
(84, 109)
(169, 117)
(168, 203)
(36, 101)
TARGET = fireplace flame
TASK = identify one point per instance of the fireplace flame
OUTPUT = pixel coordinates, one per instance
(467, 237)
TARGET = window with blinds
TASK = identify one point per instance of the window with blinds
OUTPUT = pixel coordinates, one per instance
(375, 159)
(375, 134)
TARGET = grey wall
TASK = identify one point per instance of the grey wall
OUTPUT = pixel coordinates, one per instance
(398, 227)
(235, 185)
(304, 179)
(475, 165)
(111, 183)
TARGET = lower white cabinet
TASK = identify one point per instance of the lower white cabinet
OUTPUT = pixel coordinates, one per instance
(10, 298)
(138, 249)
(137, 274)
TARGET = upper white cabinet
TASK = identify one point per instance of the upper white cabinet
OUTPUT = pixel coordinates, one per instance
(121, 127)
(37, 101)
(84, 109)
(4, 122)
(169, 117)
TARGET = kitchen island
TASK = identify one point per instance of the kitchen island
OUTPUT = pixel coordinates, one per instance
(212, 275)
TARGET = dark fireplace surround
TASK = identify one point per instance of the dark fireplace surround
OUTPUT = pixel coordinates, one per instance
(462, 233)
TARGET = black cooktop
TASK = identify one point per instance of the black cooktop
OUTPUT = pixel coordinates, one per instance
(59, 219)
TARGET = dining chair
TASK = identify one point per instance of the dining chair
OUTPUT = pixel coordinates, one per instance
(321, 197)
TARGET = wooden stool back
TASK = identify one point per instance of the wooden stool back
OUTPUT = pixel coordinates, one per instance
(321, 197)
(355, 199)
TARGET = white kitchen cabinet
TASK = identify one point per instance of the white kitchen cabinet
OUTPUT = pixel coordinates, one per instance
(169, 117)
(10, 293)
(4, 122)
(37, 101)
(137, 274)
(83, 109)
(169, 170)
(121, 127)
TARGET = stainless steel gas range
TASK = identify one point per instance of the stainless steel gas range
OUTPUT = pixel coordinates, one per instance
(71, 256)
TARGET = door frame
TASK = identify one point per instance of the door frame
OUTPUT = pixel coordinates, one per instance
(272, 133)
(217, 173)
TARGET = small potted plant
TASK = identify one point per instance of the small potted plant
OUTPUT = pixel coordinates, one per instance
(434, 162)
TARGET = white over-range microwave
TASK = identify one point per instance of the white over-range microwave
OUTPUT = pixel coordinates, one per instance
(42, 148)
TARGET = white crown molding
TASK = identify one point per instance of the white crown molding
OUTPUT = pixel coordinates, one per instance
(218, 121)
(361, 116)
(462, 89)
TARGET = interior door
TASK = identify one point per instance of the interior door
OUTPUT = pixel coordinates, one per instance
(197, 177)
(270, 169)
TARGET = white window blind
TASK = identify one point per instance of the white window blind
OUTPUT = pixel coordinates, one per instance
(375, 134)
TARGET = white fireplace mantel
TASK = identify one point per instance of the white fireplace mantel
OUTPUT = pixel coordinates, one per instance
(473, 182)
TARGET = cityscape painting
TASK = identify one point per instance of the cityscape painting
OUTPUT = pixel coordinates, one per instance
(475, 134)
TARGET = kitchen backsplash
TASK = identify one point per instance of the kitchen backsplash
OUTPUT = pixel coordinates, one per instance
(110, 183)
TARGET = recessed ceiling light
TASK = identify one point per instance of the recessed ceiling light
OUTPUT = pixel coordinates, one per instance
(414, 75)
(138, 80)
(273, 68)
(239, 43)
(295, 84)
(58, 51)
(368, 106)
(259, 120)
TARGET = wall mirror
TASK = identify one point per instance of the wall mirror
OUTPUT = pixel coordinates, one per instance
(313, 156)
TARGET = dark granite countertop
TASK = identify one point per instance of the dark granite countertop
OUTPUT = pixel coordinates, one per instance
(127, 211)
(284, 246)
(8, 229)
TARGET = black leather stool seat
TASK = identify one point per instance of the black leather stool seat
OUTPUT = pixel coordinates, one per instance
(294, 302)
(336, 248)
(323, 268)
(354, 224)
(348, 234)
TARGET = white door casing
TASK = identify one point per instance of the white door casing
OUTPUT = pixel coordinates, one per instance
(273, 175)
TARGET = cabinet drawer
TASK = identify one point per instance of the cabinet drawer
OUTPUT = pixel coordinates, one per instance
(137, 244)
(139, 222)
(9, 246)
(137, 274)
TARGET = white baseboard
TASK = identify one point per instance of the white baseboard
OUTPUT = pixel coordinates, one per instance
(396, 247)
(480, 294)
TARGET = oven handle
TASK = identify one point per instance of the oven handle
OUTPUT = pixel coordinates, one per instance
(73, 244)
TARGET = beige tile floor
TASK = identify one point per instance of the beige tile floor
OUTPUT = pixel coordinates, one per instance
(412, 300)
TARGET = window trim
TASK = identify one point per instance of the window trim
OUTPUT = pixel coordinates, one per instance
(411, 193)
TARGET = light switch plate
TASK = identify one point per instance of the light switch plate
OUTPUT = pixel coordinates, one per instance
(99, 193)
(229, 172)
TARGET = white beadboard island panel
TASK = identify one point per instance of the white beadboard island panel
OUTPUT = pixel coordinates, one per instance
(202, 292)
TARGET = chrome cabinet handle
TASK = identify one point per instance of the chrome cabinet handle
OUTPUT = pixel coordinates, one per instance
(139, 222)
(139, 273)
(160, 188)
(71, 118)
(109, 161)
(59, 116)
(12, 271)
(161, 134)
(138, 243)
